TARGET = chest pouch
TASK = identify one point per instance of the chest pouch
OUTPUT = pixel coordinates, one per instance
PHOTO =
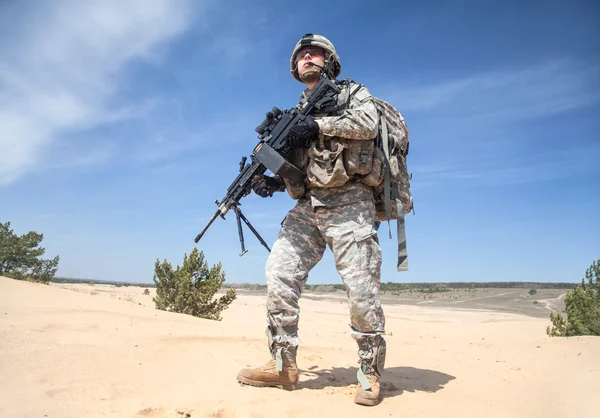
(358, 156)
(326, 165)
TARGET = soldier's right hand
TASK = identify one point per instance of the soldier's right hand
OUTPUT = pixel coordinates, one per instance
(265, 186)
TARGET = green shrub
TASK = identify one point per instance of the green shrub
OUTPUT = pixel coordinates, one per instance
(189, 289)
(532, 292)
(325, 288)
(582, 308)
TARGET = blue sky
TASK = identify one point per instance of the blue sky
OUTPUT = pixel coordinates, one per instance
(122, 122)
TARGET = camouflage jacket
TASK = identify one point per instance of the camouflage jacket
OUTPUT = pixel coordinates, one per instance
(357, 121)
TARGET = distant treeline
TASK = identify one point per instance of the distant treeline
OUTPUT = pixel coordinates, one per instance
(389, 286)
(433, 287)
(76, 280)
(385, 287)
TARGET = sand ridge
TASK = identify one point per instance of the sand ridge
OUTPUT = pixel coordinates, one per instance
(104, 351)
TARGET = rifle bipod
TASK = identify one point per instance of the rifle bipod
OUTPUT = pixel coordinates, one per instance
(240, 217)
(223, 209)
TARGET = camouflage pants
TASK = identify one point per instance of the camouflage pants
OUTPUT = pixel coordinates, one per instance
(348, 230)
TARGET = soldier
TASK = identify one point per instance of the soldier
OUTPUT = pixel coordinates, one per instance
(335, 208)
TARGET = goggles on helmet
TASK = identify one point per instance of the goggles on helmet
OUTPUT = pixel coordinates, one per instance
(313, 51)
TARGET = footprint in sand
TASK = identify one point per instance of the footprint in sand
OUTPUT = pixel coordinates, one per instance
(187, 413)
(167, 413)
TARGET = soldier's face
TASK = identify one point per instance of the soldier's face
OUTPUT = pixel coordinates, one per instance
(307, 55)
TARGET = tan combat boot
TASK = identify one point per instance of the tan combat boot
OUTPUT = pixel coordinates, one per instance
(369, 397)
(268, 375)
(371, 353)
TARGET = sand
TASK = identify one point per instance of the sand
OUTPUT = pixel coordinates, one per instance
(104, 351)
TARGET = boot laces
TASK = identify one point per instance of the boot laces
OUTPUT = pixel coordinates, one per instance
(268, 366)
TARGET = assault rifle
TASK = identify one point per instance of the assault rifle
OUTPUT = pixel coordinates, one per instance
(272, 153)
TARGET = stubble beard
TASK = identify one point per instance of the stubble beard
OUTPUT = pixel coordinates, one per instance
(310, 76)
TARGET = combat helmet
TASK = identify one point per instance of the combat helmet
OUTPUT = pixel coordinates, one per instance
(332, 61)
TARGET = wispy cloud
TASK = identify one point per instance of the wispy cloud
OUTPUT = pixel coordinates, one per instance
(502, 169)
(540, 90)
(473, 134)
(62, 72)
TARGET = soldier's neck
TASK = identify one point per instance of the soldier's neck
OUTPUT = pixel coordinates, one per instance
(311, 85)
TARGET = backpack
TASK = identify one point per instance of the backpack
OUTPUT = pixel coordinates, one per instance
(393, 199)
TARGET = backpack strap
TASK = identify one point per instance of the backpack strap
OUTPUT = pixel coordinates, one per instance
(348, 91)
(401, 231)
(387, 173)
(360, 93)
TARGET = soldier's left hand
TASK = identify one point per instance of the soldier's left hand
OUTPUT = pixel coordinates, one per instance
(303, 133)
(265, 186)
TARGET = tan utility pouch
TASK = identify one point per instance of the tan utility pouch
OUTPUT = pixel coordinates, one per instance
(295, 190)
(358, 156)
(326, 165)
(375, 177)
(399, 173)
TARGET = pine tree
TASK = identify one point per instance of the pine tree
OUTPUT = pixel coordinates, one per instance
(582, 308)
(20, 256)
(189, 289)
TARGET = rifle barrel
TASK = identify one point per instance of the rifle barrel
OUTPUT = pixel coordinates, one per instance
(199, 236)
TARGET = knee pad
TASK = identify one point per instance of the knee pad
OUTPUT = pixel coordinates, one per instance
(371, 359)
(372, 353)
(379, 360)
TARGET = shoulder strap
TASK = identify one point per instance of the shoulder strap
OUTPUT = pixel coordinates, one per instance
(361, 93)
(387, 172)
(343, 98)
(350, 90)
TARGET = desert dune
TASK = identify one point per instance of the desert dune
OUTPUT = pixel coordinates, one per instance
(104, 351)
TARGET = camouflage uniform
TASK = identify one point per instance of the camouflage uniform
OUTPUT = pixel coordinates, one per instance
(341, 218)
(335, 208)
